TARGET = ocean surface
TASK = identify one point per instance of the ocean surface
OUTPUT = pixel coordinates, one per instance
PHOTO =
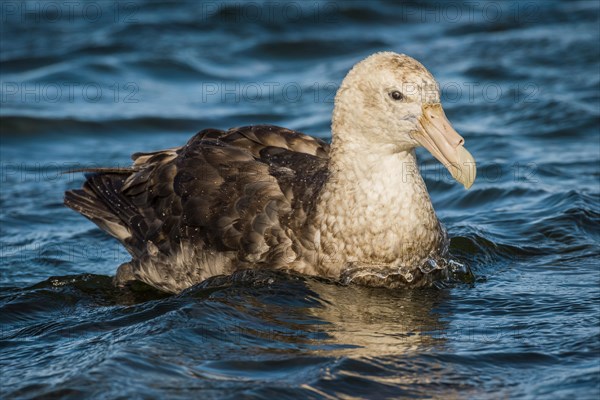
(86, 84)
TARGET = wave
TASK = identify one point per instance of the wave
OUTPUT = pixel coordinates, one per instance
(19, 126)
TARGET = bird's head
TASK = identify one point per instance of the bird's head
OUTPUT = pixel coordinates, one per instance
(391, 101)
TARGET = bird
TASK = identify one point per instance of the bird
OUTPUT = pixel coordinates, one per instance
(267, 197)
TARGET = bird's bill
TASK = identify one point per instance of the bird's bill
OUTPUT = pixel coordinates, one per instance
(437, 135)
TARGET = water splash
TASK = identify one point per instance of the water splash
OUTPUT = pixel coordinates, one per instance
(432, 272)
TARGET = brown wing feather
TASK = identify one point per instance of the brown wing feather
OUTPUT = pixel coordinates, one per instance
(242, 194)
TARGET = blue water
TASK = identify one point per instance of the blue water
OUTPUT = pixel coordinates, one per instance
(90, 83)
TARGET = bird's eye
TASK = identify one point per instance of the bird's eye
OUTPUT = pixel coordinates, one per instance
(396, 95)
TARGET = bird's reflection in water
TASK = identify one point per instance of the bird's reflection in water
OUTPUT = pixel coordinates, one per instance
(377, 321)
(315, 316)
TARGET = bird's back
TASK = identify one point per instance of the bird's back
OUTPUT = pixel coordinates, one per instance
(225, 200)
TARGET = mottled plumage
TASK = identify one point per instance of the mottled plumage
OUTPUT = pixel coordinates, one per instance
(269, 197)
(224, 200)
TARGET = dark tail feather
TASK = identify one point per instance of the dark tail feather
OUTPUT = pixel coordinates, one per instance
(87, 204)
(101, 201)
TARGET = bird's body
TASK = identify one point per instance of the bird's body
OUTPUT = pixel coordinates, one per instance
(268, 197)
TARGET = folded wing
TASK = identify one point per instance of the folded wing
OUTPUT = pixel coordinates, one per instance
(244, 195)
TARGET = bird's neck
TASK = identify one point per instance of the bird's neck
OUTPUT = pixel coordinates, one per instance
(375, 206)
(376, 178)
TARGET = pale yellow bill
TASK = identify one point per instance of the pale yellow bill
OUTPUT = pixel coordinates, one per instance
(437, 135)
